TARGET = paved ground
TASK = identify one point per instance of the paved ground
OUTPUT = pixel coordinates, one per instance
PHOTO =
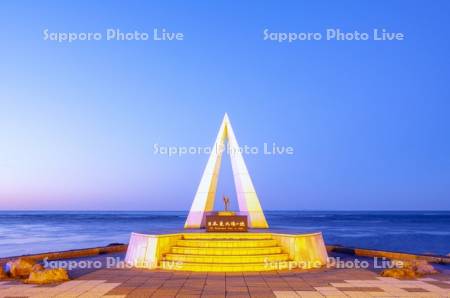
(294, 283)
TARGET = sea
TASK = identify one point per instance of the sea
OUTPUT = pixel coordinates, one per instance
(29, 232)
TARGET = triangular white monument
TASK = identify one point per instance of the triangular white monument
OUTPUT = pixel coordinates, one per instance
(248, 201)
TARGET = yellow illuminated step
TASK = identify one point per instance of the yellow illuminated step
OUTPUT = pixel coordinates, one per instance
(228, 243)
(210, 267)
(226, 259)
(224, 251)
(236, 236)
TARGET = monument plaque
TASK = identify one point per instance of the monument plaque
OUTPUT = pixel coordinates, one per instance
(226, 223)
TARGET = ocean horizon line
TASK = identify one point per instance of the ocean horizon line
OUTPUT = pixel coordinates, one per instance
(266, 210)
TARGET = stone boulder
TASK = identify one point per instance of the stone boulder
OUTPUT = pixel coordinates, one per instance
(409, 269)
(424, 268)
(47, 276)
(3, 274)
(421, 267)
(37, 267)
(399, 273)
(20, 268)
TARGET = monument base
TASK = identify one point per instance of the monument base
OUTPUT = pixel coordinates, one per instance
(226, 252)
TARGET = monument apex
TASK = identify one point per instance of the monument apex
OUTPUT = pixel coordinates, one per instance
(248, 200)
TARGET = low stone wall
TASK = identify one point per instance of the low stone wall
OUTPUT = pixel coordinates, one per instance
(388, 254)
(71, 254)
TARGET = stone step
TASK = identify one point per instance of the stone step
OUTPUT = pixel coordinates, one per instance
(230, 259)
(226, 236)
(213, 267)
(225, 251)
(228, 243)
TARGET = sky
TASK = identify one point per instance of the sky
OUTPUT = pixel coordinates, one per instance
(367, 120)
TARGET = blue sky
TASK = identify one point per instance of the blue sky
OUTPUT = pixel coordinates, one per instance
(368, 120)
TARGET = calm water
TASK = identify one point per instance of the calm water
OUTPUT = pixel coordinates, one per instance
(33, 232)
